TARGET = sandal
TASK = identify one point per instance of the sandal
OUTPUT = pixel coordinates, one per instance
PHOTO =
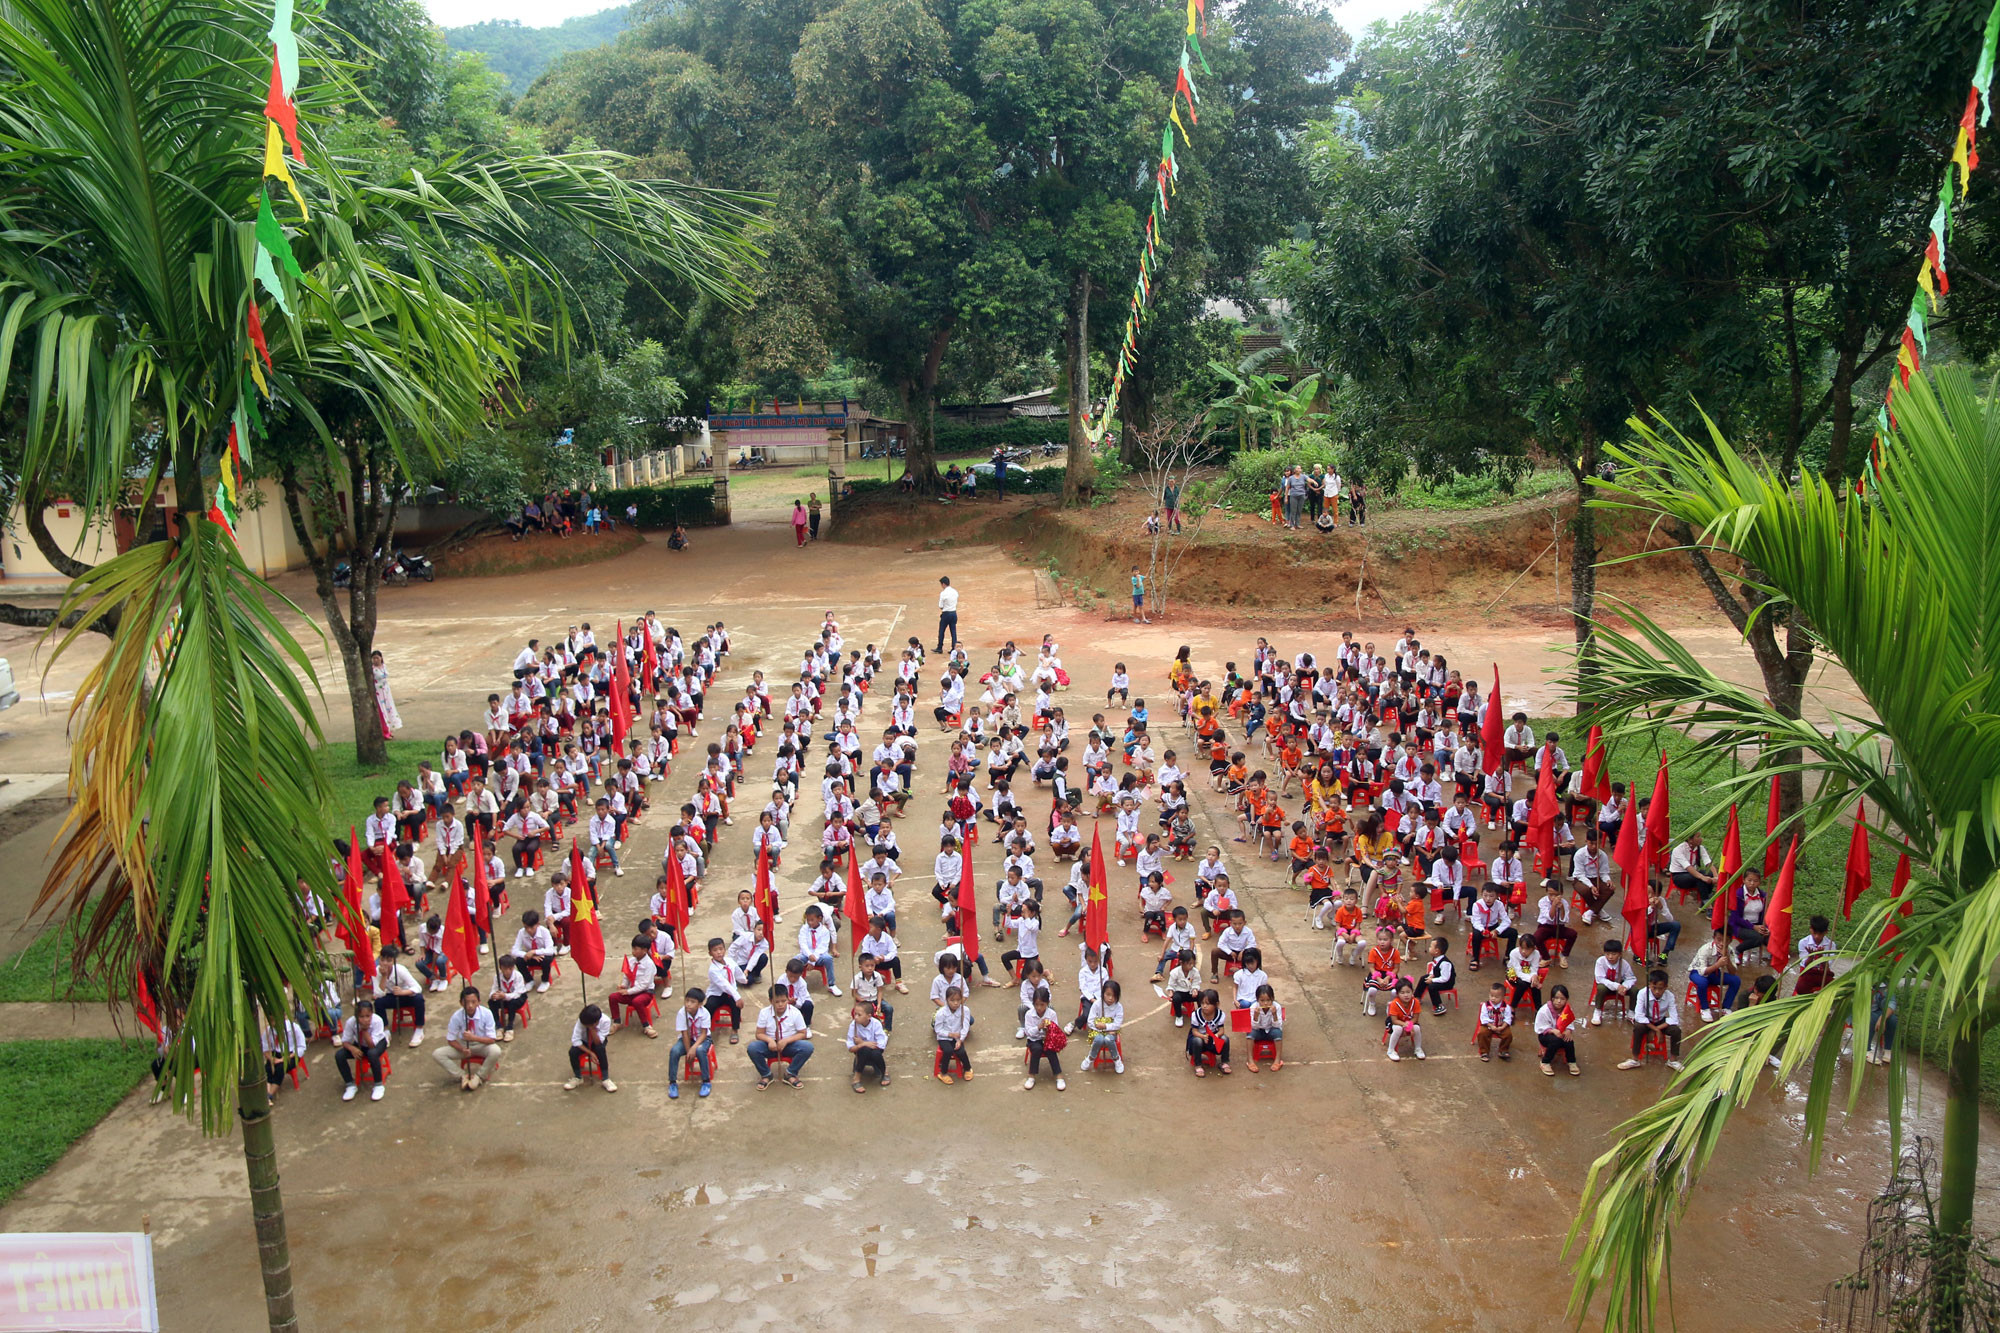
(856, 1085)
(792, 1082)
(1201, 1071)
(1223, 1067)
(885, 1080)
(763, 1082)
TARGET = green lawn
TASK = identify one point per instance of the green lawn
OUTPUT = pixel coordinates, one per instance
(1821, 873)
(40, 972)
(52, 1093)
(355, 787)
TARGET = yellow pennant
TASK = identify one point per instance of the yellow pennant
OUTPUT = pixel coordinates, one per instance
(1925, 281)
(1959, 155)
(274, 163)
(257, 374)
(1174, 114)
(1190, 15)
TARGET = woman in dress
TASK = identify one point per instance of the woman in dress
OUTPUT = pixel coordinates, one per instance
(385, 702)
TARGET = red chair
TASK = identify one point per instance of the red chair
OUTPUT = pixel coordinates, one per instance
(1468, 856)
(366, 1073)
(1117, 1044)
(1488, 941)
(1263, 1049)
(825, 971)
(1653, 1043)
(587, 1066)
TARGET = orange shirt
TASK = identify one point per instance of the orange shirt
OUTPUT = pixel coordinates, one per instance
(1289, 755)
(1347, 917)
(1413, 913)
(1238, 774)
(1383, 960)
(1274, 815)
(1336, 819)
(1302, 847)
(1403, 1011)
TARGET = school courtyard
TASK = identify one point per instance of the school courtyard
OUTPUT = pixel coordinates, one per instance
(1344, 1192)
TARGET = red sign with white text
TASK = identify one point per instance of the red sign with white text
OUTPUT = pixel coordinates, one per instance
(79, 1282)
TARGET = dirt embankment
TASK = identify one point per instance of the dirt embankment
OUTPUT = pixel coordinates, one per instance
(496, 553)
(1403, 559)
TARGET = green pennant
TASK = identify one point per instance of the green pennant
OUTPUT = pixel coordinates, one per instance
(1166, 143)
(1982, 77)
(1918, 329)
(271, 236)
(1197, 55)
(250, 411)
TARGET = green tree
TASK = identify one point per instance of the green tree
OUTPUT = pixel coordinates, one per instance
(133, 164)
(1923, 751)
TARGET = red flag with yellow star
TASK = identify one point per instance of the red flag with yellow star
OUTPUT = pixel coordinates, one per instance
(1097, 907)
(586, 936)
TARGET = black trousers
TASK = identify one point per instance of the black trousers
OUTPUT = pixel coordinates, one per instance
(596, 1048)
(947, 621)
(371, 1056)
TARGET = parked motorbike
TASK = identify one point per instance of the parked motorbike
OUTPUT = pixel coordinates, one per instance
(1051, 449)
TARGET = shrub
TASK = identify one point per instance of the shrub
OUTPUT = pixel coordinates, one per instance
(954, 441)
(1249, 478)
(692, 503)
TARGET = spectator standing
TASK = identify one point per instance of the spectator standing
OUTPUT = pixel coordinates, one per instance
(947, 613)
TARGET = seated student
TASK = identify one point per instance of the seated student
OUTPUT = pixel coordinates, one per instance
(867, 1040)
(1555, 1029)
(1027, 938)
(509, 995)
(1614, 979)
(1440, 977)
(694, 1034)
(1090, 979)
(1690, 870)
(284, 1043)
(397, 988)
(1105, 1021)
(781, 1035)
(591, 1032)
(470, 1037)
(1524, 973)
(1383, 969)
(1714, 967)
(1553, 933)
(1348, 944)
(1234, 938)
(1249, 976)
(816, 948)
(881, 942)
(364, 1037)
(951, 1025)
(725, 983)
(1402, 1020)
(640, 976)
(535, 947)
(1655, 1012)
(1208, 1034)
(1045, 1037)
(1267, 1023)
(1496, 1025)
(1490, 921)
(1815, 957)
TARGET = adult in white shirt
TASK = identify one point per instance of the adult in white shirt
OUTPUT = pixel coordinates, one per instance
(781, 1035)
(1656, 1012)
(470, 1039)
(947, 613)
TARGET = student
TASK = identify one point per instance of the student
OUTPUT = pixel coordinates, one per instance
(1524, 973)
(1403, 1011)
(1382, 974)
(1440, 978)
(641, 978)
(1690, 870)
(1815, 958)
(535, 947)
(1045, 1037)
(363, 1037)
(1249, 977)
(1348, 945)
(1553, 933)
(881, 942)
(1614, 979)
(1230, 944)
(951, 1025)
(509, 995)
(816, 949)
(1027, 938)
(470, 1037)
(695, 1033)
(1555, 1024)
(1490, 921)
(1184, 986)
(1660, 923)
(1090, 979)
(1208, 1034)
(1121, 686)
(396, 988)
(781, 1035)
(284, 1043)
(725, 983)
(1496, 1025)
(1106, 1020)
(870, 985)
(590, 1033)
(1655, 1013)
(1267, 1023)
(867, 1041)
(1714, 966)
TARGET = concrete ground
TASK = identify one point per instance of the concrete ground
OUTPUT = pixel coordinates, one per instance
(1342, 1192)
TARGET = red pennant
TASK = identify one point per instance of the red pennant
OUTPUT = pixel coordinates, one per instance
(143, 1007)
(257, 335)
(353, 927)
(279, 108)
(1542, 817)
(1732, 866)
(1859, 873)
(677, 903)
(1596, 781)
(395, 895)
(1780, 914)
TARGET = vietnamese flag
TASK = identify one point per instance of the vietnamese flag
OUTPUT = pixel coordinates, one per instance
(461, 941)
(482, 889)
(1097, 907)
(586, 936)
(353, 927)
(855, 906)
(1492, 736)
(1732, 866)
(651, 662)
(766, 902)
(1771, 813)
(1779, 917)
(1542, 817)
(1596, 780)
(1628, 854)
(1859, 874)
(621, 695)
(143, 1007)
(395, 897)
(677, 903)
(968, 910)
(1659, 826)
(1890, 930)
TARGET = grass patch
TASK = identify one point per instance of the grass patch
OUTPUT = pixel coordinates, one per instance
(52, 1093)
(1477, 492)
(39, 974)
(1817, 883)
(354, 787)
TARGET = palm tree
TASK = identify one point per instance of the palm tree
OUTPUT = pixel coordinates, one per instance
(1902, 589)
(132, 134)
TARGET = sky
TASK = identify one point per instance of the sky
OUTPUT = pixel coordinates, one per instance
(1354, 14)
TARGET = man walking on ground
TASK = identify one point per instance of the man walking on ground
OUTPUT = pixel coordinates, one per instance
(947, 613)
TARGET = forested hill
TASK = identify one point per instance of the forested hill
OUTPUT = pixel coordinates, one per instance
(523, 53)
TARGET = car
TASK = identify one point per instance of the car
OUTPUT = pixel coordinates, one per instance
(1015, 472)
(9, 696)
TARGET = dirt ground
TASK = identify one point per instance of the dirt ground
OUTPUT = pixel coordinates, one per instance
(1344, 1192)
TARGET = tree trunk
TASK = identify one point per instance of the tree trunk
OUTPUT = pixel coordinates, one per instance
(1135, 416)
(1583, 566)
(920, 410)
(353, 630)
(267, 1204)
(1958, 1176)
(1080, 479)
(1840, 415)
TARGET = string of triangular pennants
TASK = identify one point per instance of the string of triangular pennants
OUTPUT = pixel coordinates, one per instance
(1933, 277)
(1166, 183)
(274, 256)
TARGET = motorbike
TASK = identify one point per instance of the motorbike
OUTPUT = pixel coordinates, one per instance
(1051, 449)
(397, 571)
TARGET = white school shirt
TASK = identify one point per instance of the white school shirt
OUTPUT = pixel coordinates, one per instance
(879, 903)
(1588, 868)
(1090, 982)
(724, 978)
(1662, 1008)
(1032, 1023)
(539, 944)
(1447, 874)
(1491, 917)
(693, 1027)
(556, 904)
(951, 1026)
(602, 1032)
(1149, 863)
(376, 1034)
(508, 986)
(1155, 900)
(773, 1030)
(480, 1024)
(1106, 1018)
(1496, 1015)
(883, 946)
(1232, 940)
(1617, 977)
(815, 942)
(1179, 937)
(1247, 983)
(1685, 857)
(380, 829)
(603, 830)
(1027, 937)
(871, 1031)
